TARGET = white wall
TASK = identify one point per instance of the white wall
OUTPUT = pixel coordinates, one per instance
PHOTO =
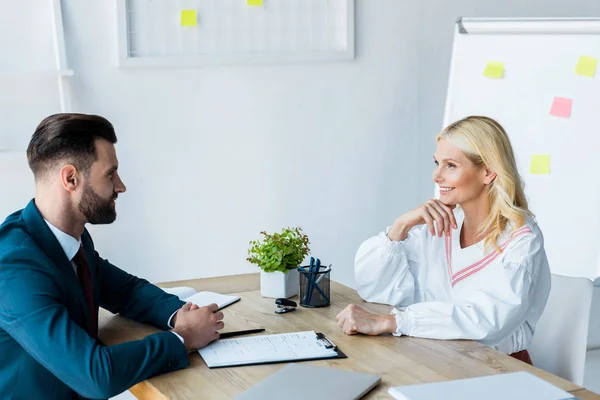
(21, 50)
(212, 156)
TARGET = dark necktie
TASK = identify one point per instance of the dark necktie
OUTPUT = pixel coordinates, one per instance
(85, 278)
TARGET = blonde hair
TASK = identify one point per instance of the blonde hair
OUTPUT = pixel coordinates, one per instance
(486, 144)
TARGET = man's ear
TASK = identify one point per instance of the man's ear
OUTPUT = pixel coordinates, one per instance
(489, 176)
(69, 177)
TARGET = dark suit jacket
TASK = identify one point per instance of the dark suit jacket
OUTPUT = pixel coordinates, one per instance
(46, 351)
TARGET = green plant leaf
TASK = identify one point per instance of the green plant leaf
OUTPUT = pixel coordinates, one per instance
(279, 251)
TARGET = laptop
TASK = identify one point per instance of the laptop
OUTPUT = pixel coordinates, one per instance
(302, 382)
(514, 386)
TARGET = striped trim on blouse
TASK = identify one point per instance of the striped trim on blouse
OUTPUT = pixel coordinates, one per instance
(479, 265)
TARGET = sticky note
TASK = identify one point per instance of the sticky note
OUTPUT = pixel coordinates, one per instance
(561, 107)
(540, 164)
(189, 18)
(586, 66)
(255, 2)
(494, 69)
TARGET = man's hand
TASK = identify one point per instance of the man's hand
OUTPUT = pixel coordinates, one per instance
(174, 319)
(198, 326)
(354, 319)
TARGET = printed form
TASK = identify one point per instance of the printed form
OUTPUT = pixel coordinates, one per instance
(265, 349)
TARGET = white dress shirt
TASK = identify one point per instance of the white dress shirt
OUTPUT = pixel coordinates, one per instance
(69, 244)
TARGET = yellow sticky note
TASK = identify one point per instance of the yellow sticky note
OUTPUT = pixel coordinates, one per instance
(586, 66)
(189, 18)
(254, 3)
(540, 164)
(494, 69)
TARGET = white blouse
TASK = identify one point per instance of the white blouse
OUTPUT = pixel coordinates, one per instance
(495, 298)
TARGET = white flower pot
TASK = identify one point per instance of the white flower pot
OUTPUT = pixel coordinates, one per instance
(277, 284)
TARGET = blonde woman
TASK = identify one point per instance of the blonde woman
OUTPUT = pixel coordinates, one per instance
(470, 265)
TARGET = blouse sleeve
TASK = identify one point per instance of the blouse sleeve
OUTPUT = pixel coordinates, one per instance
(381, 268)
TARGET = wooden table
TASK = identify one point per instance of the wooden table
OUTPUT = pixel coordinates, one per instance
(399, 361)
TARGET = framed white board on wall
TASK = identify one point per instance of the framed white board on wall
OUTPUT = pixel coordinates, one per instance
(185, 33)
(540, 78)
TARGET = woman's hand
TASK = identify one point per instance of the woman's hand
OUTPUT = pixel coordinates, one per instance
(354, 319)
(430, 211)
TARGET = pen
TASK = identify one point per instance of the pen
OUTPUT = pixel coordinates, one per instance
(323, 273)
(313, 276)
(310, 280)
(225, 335)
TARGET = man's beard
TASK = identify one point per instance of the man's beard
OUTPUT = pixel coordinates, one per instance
(95, 208)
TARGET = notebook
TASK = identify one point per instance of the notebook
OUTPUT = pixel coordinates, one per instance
(290, 383)
(203, 298)
(514, 386)
(269, 349)
(181, 291)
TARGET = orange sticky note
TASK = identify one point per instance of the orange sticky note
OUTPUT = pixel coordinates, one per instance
(189, 18)
(586, 66)
(494, 69)
(540, 164)
(561, 107)
(254, 3)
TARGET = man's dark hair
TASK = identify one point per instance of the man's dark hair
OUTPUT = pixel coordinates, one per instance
(68, 137)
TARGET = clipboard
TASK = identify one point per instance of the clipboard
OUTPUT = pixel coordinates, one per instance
(270, 349)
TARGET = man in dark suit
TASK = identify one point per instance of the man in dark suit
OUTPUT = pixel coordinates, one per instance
(52, 280)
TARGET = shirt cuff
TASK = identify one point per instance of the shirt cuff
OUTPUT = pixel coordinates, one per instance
(390, 242)
(401, 322)
(178, 336)
(170, 318)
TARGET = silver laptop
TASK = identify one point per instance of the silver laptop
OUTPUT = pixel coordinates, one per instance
(302, 382)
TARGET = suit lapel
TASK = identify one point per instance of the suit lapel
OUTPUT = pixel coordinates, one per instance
(45, 239)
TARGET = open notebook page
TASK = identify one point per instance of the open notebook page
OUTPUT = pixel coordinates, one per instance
(203, 298)
(181, 291)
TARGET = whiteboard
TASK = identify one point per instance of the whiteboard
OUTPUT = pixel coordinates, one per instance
(152, 33)
(540, 57)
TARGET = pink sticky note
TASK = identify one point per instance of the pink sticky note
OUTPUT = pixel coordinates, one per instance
(561, 107)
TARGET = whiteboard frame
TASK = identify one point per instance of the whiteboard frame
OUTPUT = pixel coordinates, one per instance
(126, 61)
(531, 26)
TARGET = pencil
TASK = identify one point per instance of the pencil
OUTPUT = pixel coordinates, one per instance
(225, 335)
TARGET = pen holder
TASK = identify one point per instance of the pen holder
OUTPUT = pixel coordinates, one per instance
(314, 287)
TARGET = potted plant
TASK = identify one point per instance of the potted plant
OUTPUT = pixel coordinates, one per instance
(279, 255)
